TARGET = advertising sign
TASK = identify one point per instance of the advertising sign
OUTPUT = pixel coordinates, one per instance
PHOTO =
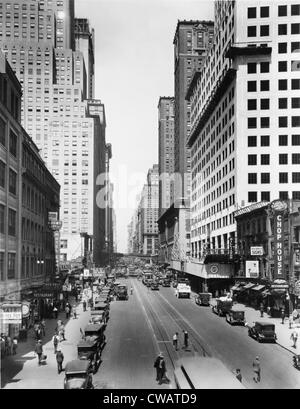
(44, 294)
(252, 268)
(278, 208)
(256, 250)
(11, 313)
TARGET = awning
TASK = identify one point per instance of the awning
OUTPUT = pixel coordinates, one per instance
(258, 288)
(265, 293)
(248, 286)
(235, 287)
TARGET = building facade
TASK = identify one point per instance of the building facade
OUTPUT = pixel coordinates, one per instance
(244, 141)
(28, 193)
(52, 54)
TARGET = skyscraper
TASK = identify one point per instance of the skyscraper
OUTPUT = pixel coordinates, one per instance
(52, 54)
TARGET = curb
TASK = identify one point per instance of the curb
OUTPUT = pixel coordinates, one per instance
(286, 348)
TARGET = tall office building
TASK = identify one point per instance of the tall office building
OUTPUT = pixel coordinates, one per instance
(52, 54)
(191, 41)
(166, 152)
(245, 117)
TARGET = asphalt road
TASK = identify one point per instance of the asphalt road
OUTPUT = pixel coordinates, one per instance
(146, 323)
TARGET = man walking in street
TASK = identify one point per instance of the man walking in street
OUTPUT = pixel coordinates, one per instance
(282, 315)
(59, 360)
(160, 366)
(256, 369)
(39, 351)
(55, 311)
(67, 310)
(238, 375)
(175, 341)
(294, 338)
(261, 308)
(84, 305)
(185, 339)
(55, 342)
(14, 345)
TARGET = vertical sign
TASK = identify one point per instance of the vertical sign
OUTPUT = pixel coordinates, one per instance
(279, 208)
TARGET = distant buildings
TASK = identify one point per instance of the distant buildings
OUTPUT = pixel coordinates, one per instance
(28, 195)
(52, 53)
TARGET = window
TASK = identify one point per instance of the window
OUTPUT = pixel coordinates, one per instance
(252, 178)
(282, 29)
(295, 9)
(251, 123)
(12, 182)
(295, 158)
(2, 132)
(282, 103)
(282, 11)
(264, 31)
(265, 122)
(13, 143)
(295, 140)
(252, 160)
(282, 66)
(251, 12)
(296, 195)
(295, 121)
(283, 159)
(251, 86)
(283, 122)
(282, 140)
(265, 159)
(252, 197)
(264, 103)
(282, 85)
(295, 83)
(295, 46)
(251, 67)
(295, 29)
(11, 222)
(265, 196)
(251, 104)
(11, 265)
(264, 12)
(265, 140)
(283, 195)
(2, 174)
(264, 85)
(251, 31)
(2, 218)
(265, 177)
(295, 65)
(264, 66)
(296, 177)
(282, 48)
(295, 102)
(283, 177)
(252, 140)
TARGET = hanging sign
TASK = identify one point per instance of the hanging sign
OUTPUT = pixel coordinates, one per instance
(278, 207)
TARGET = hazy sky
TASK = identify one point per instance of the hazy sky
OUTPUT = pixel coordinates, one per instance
(134, 67)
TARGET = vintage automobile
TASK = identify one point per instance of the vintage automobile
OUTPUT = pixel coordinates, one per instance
(166, 282)
(224, 304)
(89, 351)
(98, 317)
(121, 292)
(203, 299)
(102, 298)
(95, 332)
(78, 375)
(154, 285)
(262, 331)
(236, 317)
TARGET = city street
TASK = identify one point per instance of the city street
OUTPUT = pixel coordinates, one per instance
(140, 328)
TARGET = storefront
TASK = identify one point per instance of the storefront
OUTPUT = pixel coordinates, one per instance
(10, 318)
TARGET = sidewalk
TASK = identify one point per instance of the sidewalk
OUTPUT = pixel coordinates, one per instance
(21, 371)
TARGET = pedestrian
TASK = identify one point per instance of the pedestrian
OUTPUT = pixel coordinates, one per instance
(175, 341)
(261, 308)
(39, 333)
(62, 332)
(67, 310)
(74, 312)
(256, 369)
(55, 342)
(238, 375)
(14, 345)
(84, 305)
(43, 327)
(59, 360)
(291, 321)
(9, 345)
(185, 339)
(55, 311)
(294, 338)
(160, 366)
(39, 351)
(131, 290)
(295, 314)
(282, 315)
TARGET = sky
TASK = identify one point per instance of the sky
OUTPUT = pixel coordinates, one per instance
(134, 66)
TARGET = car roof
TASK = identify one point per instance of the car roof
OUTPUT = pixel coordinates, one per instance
(77, 365)
(86, 343)
(100, 304)
(263, 323)
(93, 327)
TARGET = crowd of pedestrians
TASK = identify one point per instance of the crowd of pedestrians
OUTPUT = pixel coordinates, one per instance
(8, 345)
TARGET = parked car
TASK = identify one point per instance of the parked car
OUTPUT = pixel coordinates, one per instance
(236, 317)
(89, 351)
(262, 331)
(154, 285)
(203, 298)
(223, 305)
(78, 375)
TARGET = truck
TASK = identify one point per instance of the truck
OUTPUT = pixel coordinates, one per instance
(223, 306)
(183, 289)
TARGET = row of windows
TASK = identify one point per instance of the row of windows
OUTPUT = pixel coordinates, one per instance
(265, 85)
(265, 140)
(283, 122)
(265, 177)
(264, 30)
(252, 104)
(282, 11)
(265, 196)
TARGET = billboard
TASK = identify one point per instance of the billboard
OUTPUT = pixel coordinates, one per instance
(278, 208)
(252, 268)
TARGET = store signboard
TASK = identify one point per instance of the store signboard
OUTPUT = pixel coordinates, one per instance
(278, 208)
(44, 294)
(11, 313)
(256, 250)
(252, 268)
